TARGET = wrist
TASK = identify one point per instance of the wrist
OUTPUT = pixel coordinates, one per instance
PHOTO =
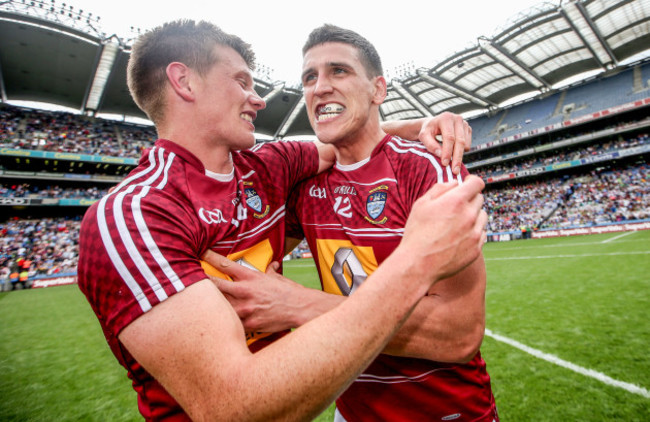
(311, 303)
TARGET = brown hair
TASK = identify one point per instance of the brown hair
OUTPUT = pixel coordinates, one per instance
(332, 33)
(185, 41)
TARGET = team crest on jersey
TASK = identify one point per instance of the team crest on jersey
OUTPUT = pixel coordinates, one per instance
(376, 203)
(254, 201)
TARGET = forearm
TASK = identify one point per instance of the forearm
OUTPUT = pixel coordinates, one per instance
(444, 331)
(312, 304)
(406, 129)
(289, 374)
(324, 350)
(192, 343)
(446, 326)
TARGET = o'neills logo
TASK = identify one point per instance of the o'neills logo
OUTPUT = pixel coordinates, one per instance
(316, 192)
(213, 216)
(345, 190)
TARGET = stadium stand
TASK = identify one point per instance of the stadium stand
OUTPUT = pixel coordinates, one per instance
(569, 157)
(575, 101)
(600, 196)
(65, 132)
(42, 247)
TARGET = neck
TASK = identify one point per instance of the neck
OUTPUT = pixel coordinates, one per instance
(214, 157)
(359, 145)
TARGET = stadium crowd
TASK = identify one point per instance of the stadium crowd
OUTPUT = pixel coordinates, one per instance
(65, 132)
(553, 157)
(26, 190)
(33, 129)
(37, 247)
(588, 199)
(607, 197)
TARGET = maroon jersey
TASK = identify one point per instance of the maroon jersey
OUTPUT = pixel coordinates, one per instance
(353, 217)
(141, 243)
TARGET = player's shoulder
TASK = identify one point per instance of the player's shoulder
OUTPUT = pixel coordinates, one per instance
(412, 159)
(408, 153)
(144, 197)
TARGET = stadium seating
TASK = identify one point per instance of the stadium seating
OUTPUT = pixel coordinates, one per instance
(596, 197)
(42, 247)
(64, 132)
(624, 87)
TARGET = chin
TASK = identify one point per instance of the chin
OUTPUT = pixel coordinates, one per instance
(244, 143)
(327, 137)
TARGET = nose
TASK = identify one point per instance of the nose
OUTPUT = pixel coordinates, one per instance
(322, 86)
(257, 101)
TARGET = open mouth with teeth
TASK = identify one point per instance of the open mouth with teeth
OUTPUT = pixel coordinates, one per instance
(247, 117)
(328, 111)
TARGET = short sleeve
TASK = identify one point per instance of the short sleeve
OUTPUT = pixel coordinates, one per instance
(288, 162)
(417, 167)
(136, 250)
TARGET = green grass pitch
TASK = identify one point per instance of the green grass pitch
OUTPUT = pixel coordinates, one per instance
(582, 300)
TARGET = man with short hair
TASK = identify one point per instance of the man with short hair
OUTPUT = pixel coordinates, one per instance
(198, 189)
(354, 216)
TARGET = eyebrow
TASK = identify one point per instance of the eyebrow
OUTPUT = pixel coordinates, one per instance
(329, 64)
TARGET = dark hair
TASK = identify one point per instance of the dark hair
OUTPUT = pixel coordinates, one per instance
(185, 41)
(332, 33)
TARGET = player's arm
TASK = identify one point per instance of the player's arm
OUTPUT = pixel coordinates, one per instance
(446, 326)
(193, 342)
(449, 323)
(454, 132)
(326, 156)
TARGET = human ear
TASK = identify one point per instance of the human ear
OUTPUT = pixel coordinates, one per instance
(180, 78)
(380, 90)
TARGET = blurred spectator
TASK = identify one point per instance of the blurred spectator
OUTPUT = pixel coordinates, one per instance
(553, 157)
(589, 199)
(70, 133)
(26, 190)
(44, 247)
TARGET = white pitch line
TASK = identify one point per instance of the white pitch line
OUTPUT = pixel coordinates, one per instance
(568, 256)
(573, 367)
(526, 245)
(617, 237)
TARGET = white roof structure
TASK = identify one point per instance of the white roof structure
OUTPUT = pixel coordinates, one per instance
(54, 53)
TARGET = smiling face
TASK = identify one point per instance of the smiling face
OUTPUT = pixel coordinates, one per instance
(342, 100)
(227, 101)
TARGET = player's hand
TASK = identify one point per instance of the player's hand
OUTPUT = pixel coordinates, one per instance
(263, 301)
(445, 230)
(455, 134)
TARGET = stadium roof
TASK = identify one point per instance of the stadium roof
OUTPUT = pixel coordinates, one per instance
(53, 53)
